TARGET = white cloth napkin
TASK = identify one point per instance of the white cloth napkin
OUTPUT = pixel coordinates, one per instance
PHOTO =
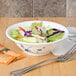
(62, 47)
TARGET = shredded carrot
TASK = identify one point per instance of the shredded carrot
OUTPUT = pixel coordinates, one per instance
(22, 29)
(20, 36)
(39, 35)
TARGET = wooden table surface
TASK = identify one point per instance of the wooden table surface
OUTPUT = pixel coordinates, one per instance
(48, 69)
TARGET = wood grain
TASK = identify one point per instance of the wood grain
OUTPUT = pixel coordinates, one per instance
(48, 69)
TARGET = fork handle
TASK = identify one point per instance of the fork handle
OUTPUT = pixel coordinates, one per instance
(27, 69)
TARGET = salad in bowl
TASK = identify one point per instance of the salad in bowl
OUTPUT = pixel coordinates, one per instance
(36, 37)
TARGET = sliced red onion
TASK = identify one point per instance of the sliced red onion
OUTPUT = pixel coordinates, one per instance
(28, 33)
(53, 34)
(58, 30)
(47, 31)
(41, 31)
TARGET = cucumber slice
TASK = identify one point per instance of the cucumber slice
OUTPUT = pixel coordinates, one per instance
(28, 39)
(14, 34)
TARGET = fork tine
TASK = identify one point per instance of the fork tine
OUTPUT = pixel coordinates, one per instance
(70, 51)
(69, 56)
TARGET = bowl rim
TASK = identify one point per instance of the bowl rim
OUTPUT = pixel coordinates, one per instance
(16, 41)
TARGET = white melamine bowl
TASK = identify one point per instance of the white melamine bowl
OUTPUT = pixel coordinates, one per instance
(36, 49)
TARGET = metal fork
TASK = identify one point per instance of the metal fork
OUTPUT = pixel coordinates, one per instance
(68, 56)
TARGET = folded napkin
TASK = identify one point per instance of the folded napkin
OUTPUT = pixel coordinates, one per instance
(64, 46)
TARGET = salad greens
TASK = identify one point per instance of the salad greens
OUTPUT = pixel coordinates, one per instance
(33, 29)
(28, 39)
(37, 33)
(14, 33)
